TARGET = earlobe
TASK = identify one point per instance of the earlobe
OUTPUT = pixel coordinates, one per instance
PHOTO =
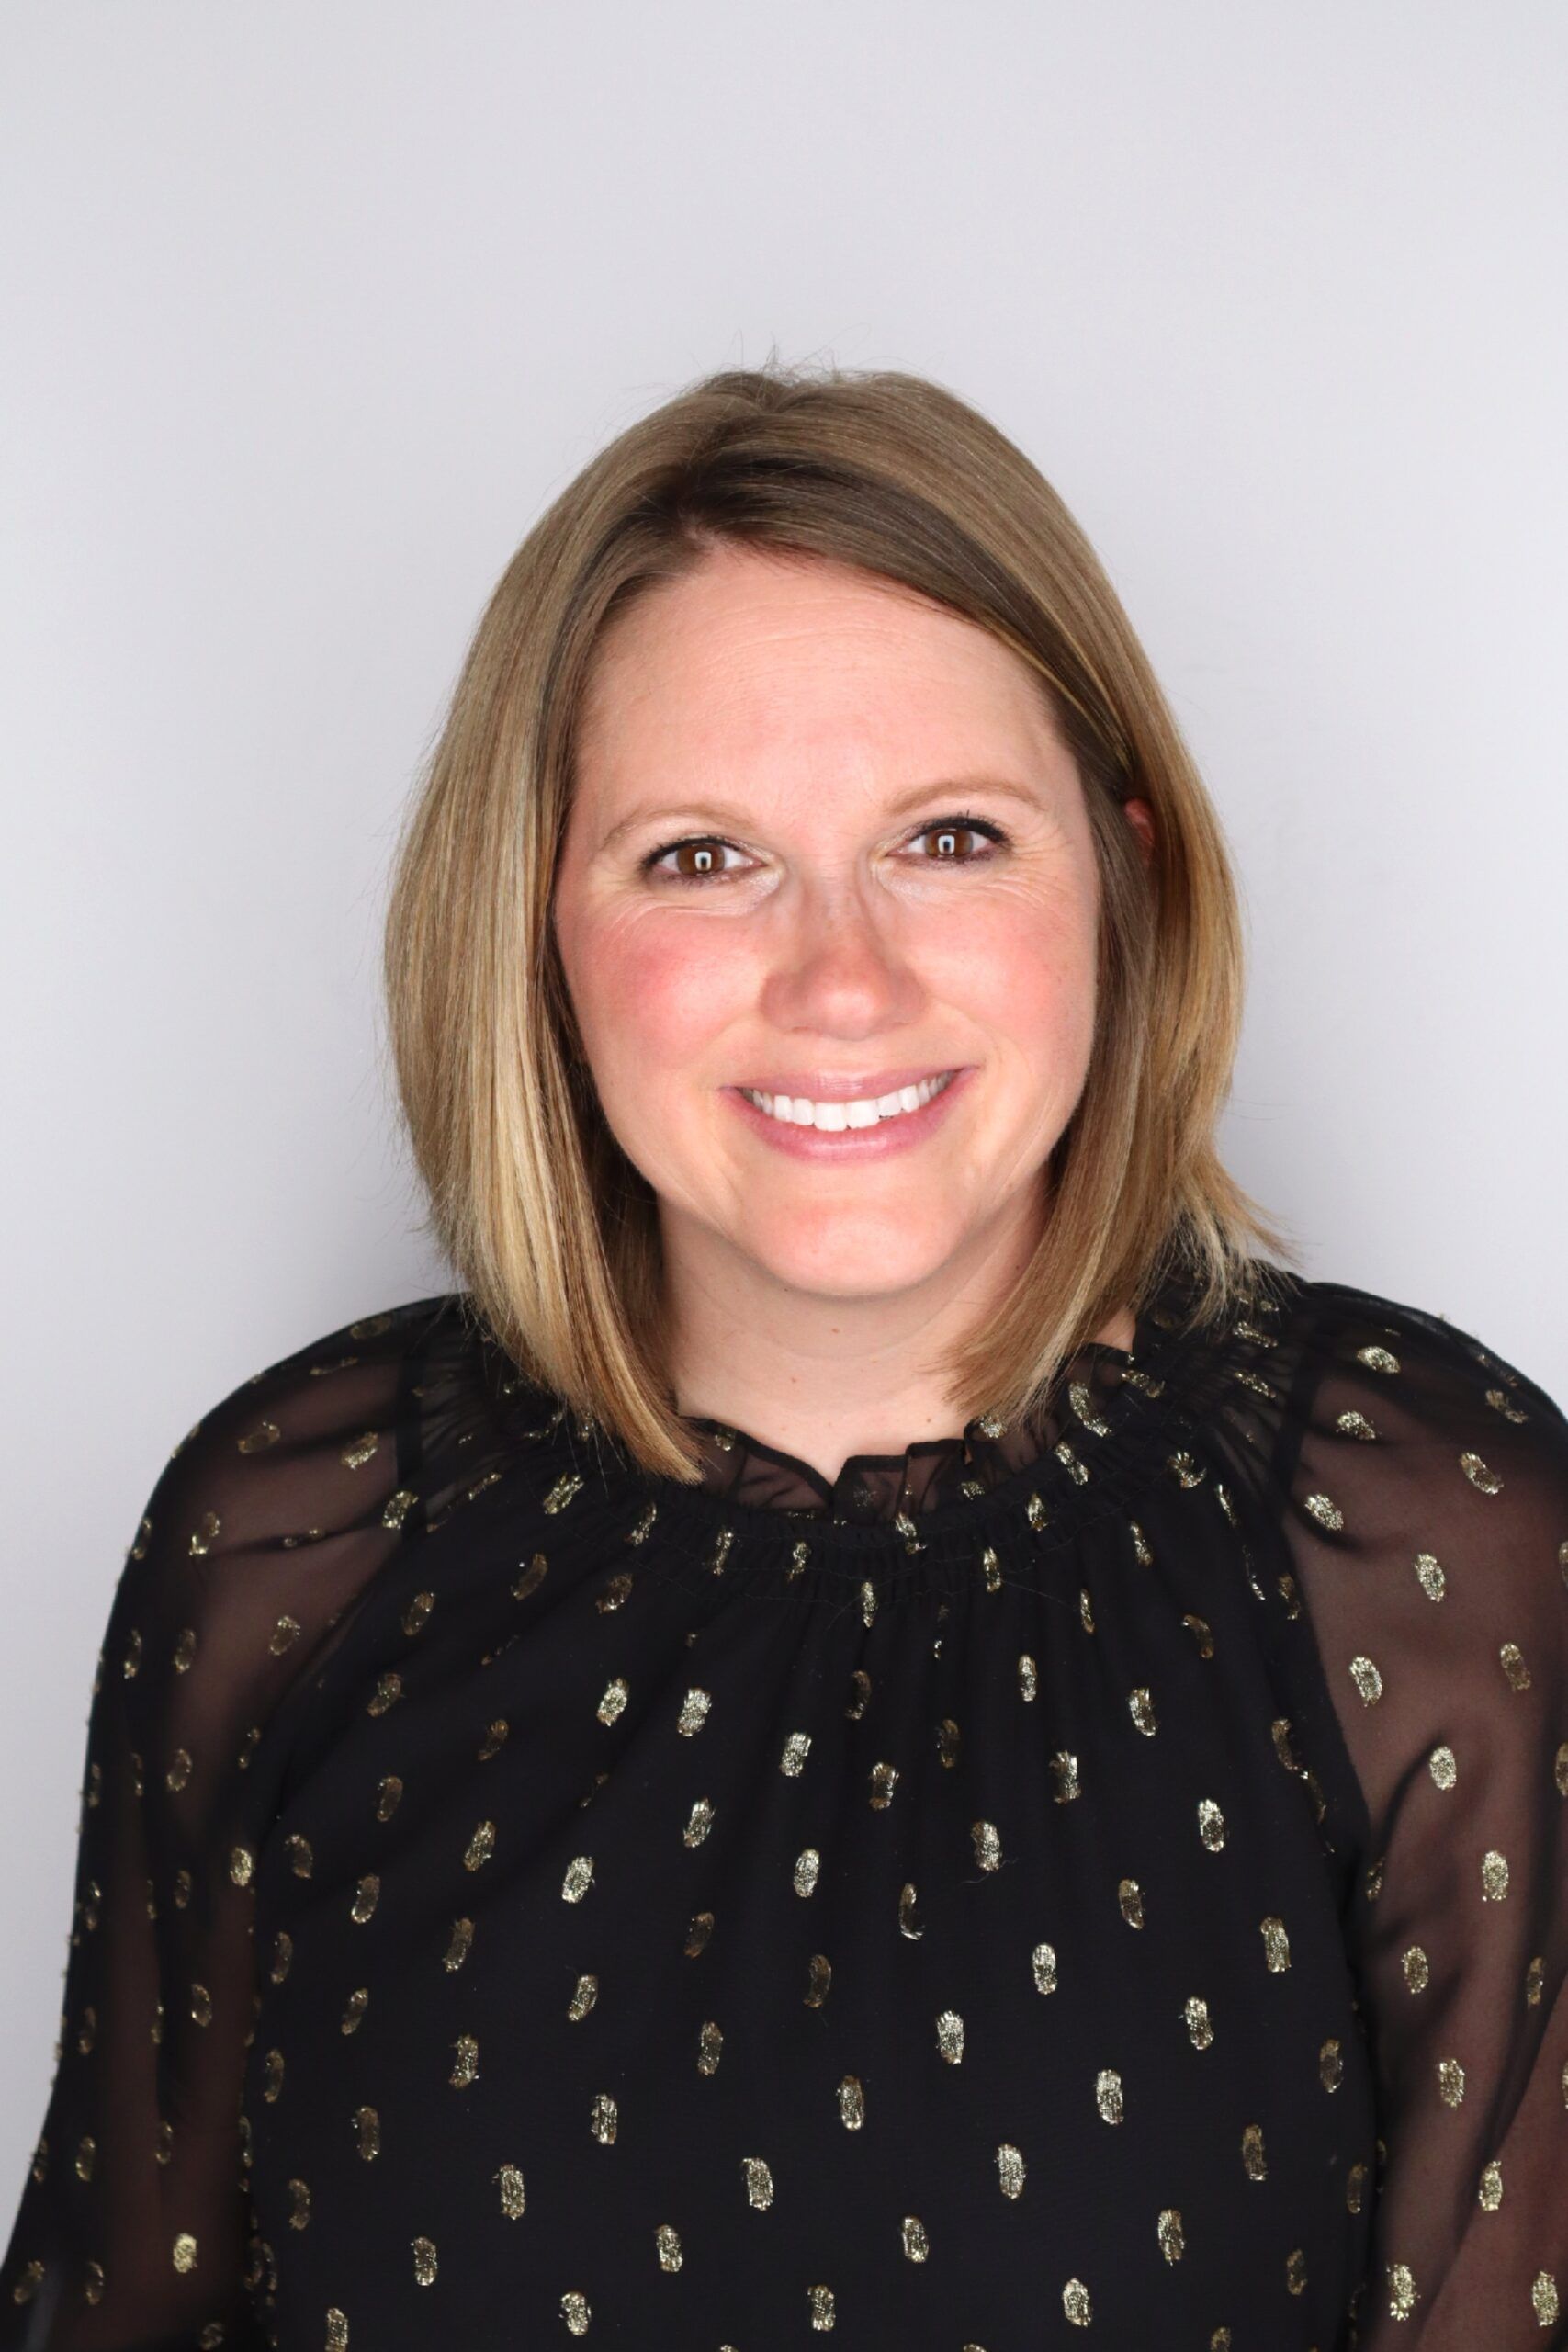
(1140, 815)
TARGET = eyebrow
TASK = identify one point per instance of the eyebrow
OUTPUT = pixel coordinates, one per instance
(715, 812)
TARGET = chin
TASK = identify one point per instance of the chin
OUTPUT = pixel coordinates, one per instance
(878, 1259)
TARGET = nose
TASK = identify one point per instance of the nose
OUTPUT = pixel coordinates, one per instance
(840, 966)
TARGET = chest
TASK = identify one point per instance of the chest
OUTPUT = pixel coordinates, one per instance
(933, 1973)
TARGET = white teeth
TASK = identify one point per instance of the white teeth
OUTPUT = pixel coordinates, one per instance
(866, 1111)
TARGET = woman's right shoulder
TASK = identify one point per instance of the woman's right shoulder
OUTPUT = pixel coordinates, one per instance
(309, 1438)
(277, 1506)
(276, 1510)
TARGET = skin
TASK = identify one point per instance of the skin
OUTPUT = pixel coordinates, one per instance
(810, 1304)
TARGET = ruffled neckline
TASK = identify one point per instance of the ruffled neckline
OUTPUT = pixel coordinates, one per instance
(876, 1489)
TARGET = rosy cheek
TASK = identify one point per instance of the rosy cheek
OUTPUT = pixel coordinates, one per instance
(660, 990)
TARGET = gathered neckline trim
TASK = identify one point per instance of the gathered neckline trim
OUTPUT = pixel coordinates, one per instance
(1066, 1467)
(1114, 1419)
(873, 1488)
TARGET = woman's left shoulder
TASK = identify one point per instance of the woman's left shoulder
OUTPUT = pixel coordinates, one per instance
(1419, 1361)
(1396, 1415)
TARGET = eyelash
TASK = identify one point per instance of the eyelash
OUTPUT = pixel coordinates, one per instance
(937, 824)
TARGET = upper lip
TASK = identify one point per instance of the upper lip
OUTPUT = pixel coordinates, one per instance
(837, 1086)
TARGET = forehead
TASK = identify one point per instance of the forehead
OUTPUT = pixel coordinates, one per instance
(750, 655)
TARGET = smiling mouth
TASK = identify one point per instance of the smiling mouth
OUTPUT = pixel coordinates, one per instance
(833, 1117)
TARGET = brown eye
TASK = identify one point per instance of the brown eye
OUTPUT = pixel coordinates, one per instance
(701, 857)
(948, 834)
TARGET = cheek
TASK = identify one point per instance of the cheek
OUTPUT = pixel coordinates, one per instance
(651, 993)
(1024, 973)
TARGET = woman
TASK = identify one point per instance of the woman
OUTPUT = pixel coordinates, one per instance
(882, 1725)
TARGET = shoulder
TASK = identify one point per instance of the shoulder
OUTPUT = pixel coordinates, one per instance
(275, 1509)
(1416, 1377)
(307, 1441)
(1405, 1440)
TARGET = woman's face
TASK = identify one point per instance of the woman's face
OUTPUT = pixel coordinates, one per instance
(887, 875)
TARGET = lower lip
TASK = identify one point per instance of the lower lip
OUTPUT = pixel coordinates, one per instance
(902, 1133)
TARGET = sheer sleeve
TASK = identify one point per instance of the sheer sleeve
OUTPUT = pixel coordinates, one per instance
(1423, 1487)
(260, 1535)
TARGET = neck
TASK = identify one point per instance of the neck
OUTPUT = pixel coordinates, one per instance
(820, 1376)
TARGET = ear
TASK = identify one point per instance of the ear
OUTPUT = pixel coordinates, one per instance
(1140, 815)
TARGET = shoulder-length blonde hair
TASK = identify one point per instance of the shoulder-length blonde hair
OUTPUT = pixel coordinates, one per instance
(552, 1232)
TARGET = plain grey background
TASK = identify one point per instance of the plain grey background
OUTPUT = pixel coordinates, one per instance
(310, 309)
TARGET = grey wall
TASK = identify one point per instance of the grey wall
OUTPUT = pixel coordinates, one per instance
(309, 312)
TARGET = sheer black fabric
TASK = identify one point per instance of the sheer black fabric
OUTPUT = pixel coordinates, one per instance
(1104, 1875)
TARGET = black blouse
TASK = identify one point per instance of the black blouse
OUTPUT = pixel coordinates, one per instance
(1109, 1875)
